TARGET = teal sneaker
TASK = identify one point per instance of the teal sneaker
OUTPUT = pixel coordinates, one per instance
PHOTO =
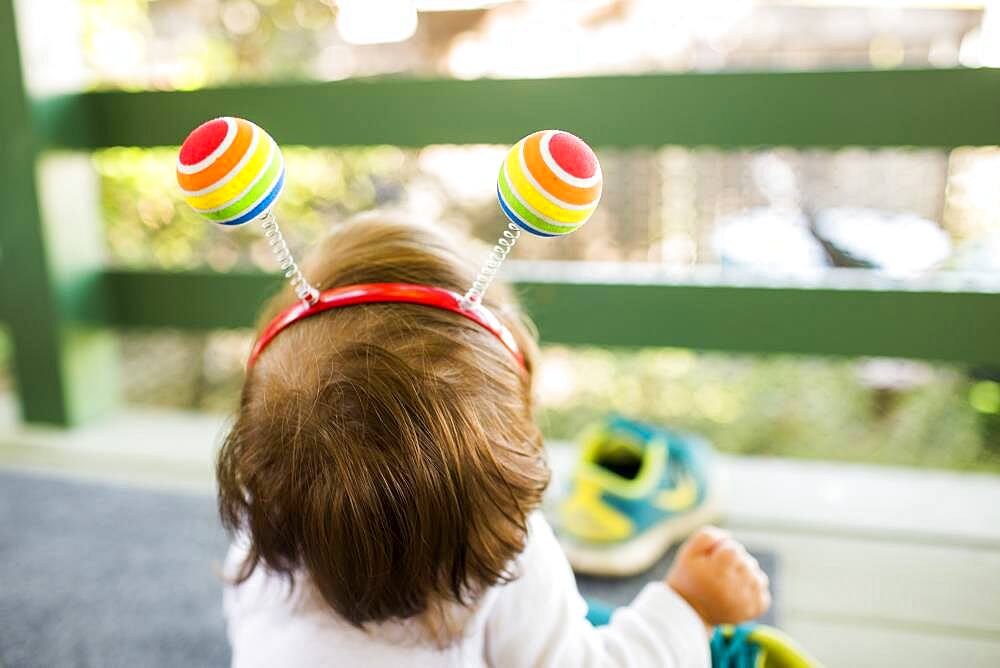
(757, 646)
(742, 646)
(636, 490)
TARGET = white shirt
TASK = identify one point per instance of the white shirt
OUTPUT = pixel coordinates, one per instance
(537, 619)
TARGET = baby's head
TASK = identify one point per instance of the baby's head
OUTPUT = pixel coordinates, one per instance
(386, 451)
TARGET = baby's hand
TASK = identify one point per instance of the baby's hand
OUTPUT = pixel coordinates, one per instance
(719, 579)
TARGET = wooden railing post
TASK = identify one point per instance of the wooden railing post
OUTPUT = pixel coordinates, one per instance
(50, 261)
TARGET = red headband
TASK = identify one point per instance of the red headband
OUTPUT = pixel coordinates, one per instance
(385, 293)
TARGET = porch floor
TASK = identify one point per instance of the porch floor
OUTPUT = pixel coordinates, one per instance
(876, 566)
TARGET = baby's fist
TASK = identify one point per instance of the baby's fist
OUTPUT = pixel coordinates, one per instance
(719, 578)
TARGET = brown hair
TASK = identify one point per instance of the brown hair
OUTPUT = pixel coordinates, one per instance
(386, 451)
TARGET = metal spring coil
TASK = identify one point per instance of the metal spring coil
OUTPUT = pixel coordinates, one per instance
(492, 266)
(286, 262)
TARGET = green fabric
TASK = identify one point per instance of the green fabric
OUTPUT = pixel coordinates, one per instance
(757, 646)
(731, 648)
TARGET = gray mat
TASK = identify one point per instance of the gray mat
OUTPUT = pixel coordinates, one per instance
(95, 575)
(105, 576)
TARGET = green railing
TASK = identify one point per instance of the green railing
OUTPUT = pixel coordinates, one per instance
(59, 302)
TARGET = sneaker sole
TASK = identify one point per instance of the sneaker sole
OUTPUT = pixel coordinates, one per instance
(640, 553)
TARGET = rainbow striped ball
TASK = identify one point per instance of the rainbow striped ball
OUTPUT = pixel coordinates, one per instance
(550, 183)
(230, 170)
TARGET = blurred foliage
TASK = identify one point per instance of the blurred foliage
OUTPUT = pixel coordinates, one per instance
(784, 406)
(779, 405)
(185, 44)
(147, 224)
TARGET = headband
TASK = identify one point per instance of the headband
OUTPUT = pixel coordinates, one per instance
(388, 293)
(231, 172)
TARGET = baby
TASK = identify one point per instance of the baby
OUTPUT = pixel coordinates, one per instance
(382, 481)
